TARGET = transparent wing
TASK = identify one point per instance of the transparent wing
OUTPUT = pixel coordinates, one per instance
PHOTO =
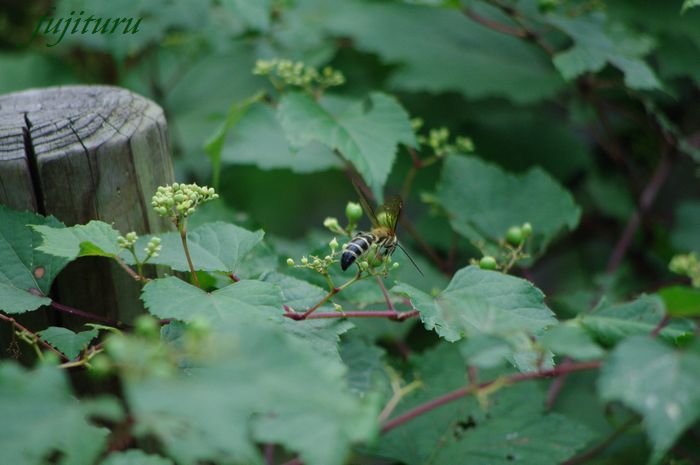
(365, 206)
(388, 213)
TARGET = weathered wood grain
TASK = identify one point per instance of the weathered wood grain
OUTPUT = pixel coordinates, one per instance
(82, 153)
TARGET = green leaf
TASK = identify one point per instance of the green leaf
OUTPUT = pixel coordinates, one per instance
(681, 301)
(483, 201)
(66, 341)
(485, 351)
(214, 145)
(512, 429)
(18, 300)
(688, 4)
(258, 139)
(174, 298)
(26, 273)
(215, 246)
(219, 411)
(297, 294)
(365, 364)
(481, 302)
(366, 133)
(420, 40)
(597, 43)
(255, 14)
(42, 418)
(571, 340)
(135, 457)
(610, 324)
(93, 239)
(657, 381)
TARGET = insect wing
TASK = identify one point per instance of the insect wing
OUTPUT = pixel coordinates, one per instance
(365, 206)
(388, 213)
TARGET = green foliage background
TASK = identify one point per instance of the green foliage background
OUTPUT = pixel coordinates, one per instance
(584, 119)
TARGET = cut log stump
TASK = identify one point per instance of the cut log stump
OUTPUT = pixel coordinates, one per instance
(85, 153)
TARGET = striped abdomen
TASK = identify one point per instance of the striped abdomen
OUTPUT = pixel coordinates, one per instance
(356, 248)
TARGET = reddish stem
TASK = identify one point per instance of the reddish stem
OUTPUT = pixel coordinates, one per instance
(391, 314)
(645, 201)
(83, 314)
(34, 335)
(468, 390)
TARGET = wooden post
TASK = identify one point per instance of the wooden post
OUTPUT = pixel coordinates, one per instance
(82, 153)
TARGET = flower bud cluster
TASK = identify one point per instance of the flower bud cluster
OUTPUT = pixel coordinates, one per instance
(438, 140)
(298, 74)
(128, 241)
(180, 200)
(318, 264)
(152, 248)
(688, 265)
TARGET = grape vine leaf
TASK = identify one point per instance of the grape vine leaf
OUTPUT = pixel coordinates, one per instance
(657, 381)
(67, 341)
(258, 138)
(42, 418)
(172, 297)
(571, 340)
(481, 302)
(298, 294)
(366, 133)
(135, 457)
(483, 201)
(440, 49)
(512, 429)
(216, 246)
(365, 362)
(96, 238)
(218, 411)
(255, 14)
(597, 43)
(26, 273)
(609, 324)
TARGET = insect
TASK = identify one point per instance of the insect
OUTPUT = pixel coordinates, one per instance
(383, 233)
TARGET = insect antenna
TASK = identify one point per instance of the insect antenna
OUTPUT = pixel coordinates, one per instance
(411, 259)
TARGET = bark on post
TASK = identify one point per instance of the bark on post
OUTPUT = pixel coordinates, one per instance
(82, 153)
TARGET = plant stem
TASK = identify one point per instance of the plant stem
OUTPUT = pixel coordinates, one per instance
(182, 228)
(469, 390)
(327, 297)
(586, 456)
(391, 314)
(35, 337)
(128, 269)
(645, 202)
(387, 298)
(81, 313)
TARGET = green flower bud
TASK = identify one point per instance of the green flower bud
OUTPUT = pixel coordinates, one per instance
(147, 326)
(290, 262)
(304, 260)
(488, 263)
(338, 308)
(333, 244)
(394, 265)
(514, 236)
(331, 223)
(353, 212)
(100, 366)
(526, 228)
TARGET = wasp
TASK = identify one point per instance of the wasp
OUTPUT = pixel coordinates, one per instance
(382, 234)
